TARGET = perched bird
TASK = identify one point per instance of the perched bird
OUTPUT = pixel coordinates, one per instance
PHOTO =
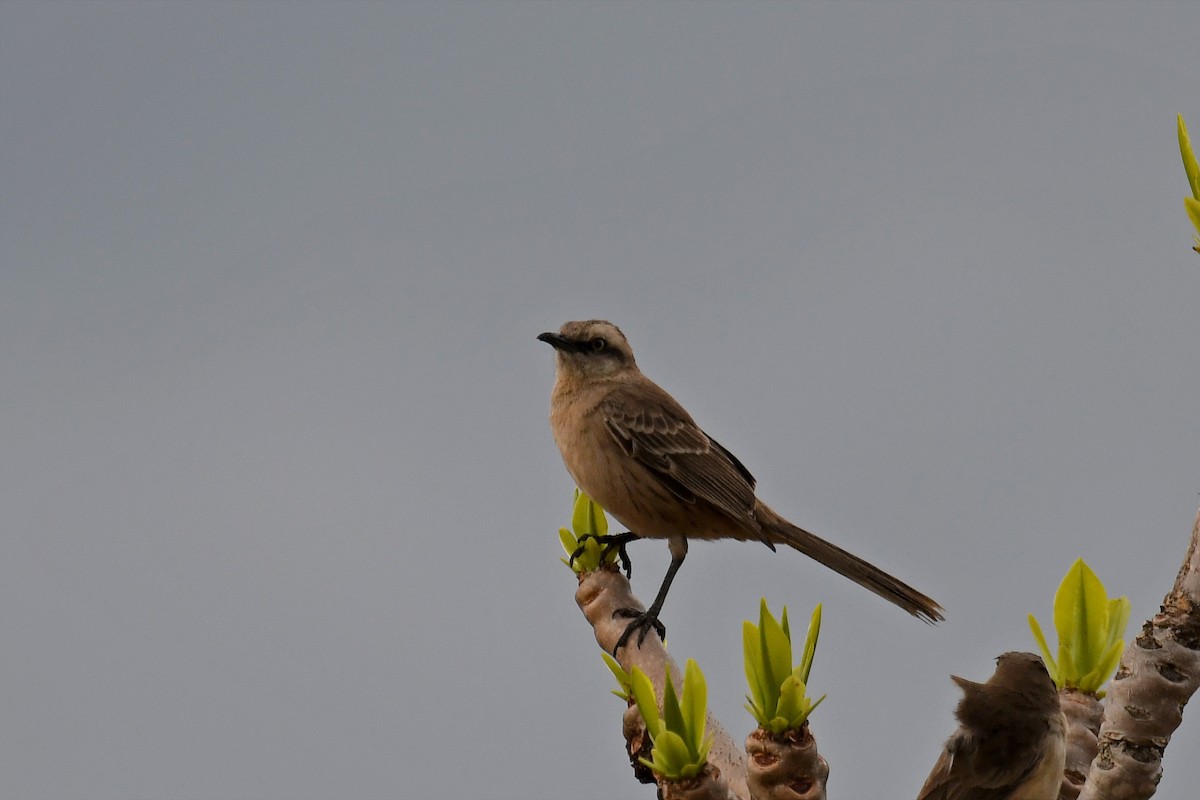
(635, 450)
(1011, 739)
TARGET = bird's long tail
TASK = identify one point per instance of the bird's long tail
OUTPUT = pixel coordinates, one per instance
(861, 572)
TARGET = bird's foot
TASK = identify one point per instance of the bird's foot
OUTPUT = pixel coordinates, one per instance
(608, 542)
(642, 621)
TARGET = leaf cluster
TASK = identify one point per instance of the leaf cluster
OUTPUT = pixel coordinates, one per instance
(587, 522)
(1090, 630)
(778, 698)
(680, 745)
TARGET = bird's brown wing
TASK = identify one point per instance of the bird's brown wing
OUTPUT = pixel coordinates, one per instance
(960, 774)
(949, 778)
(653, 429)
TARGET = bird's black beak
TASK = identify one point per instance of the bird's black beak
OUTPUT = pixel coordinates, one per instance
(556, 340)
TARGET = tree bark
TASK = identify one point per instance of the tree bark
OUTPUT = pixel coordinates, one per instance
(602, 592)
(1084, 712)
(1159, 672)
(786, 767)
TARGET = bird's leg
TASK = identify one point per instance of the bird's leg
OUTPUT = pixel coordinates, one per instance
(617, 540)
(645, 620)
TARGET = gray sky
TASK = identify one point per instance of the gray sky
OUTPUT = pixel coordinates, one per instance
(279, 499)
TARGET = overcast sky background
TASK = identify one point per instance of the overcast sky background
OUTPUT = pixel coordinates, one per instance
(279, 499)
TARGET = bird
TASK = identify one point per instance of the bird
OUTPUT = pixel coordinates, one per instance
(1011, 740)
(631, 447)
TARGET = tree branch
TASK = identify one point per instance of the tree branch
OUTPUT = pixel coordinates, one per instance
(1159, 672)
(784, 767)
(1084, 712)
(602, 592)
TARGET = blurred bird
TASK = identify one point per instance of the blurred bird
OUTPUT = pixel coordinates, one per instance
(635, 450)
(1011, 740)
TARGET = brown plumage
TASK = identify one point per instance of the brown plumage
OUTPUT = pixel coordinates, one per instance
(1011, 740)
(635, 450)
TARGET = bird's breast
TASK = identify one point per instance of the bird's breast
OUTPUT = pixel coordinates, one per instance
(603, 470)
(1046, 779)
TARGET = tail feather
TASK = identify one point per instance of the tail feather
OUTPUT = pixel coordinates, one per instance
(861, 572)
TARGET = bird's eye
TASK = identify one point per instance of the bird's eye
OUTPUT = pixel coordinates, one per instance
(598, 344)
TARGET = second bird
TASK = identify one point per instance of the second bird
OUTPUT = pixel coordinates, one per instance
(637, 452)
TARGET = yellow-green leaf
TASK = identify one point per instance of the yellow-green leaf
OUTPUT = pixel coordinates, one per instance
(702, 755)
(1189, 159)
(810, 643)
(670, 754)
(1079, 608)
(1104, 668)
(792, 703)
(777, 654)
(620, 674)
(672, 715)
(1118, 618)
(1069, 672)
(1192, 206)
(647, 703)
(587, 517)
(752, 655)
(1051, 665)
(694, 705)
(569, 544)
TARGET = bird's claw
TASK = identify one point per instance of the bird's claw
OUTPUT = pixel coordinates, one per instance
(638, 620)
(608, 542)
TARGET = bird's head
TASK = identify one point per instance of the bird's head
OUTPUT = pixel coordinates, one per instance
(1020, 687)
(1022, 669)
(591, 348)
